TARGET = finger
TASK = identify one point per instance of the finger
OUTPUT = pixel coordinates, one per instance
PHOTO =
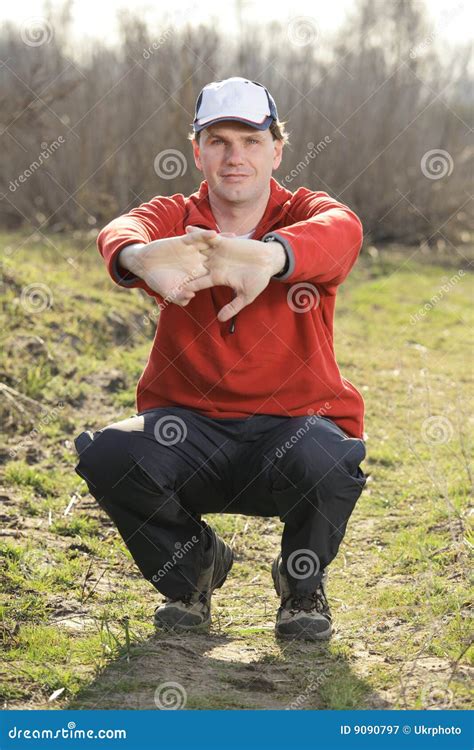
(197, 273)
(227, 234)
(206, 247)
(203, 247)
(214, 240)
(204, 282)
(211, 245)
(184, 297)
(193, 238)
(198, 241)
(234, 307)
(190, 229)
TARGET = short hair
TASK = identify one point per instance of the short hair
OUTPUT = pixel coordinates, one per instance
(277, 129)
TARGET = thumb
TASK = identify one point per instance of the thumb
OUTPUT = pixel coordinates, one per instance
(234, 307)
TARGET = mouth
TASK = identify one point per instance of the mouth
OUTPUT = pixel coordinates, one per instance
(234, 177)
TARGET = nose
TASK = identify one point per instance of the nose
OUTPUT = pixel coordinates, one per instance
(234, 154)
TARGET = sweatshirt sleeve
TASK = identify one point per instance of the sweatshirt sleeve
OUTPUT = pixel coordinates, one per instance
(324, 241)
(161, 217)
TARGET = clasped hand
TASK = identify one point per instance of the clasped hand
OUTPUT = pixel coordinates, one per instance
(178, 267)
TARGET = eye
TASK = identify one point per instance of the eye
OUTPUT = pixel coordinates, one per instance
(217, 140)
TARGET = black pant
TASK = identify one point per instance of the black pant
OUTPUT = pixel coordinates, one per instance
(157, 472)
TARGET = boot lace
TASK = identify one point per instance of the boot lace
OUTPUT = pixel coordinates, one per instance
(316, 601)
(186, 599)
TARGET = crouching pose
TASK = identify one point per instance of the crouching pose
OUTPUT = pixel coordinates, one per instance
(241, 407)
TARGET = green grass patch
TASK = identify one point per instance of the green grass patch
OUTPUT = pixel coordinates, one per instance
(76, 614)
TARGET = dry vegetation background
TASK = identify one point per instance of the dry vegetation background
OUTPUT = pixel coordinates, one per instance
(379, 116)
(379, 97)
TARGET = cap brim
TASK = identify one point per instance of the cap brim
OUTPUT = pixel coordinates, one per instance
(257, 125)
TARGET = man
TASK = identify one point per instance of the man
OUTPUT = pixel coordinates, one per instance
(241, 406)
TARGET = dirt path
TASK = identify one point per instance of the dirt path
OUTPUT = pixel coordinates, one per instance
(78, 623)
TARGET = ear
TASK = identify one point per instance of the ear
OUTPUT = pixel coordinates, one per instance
(197, 155)
(277, 153)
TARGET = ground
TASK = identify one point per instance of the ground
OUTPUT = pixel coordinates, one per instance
(76, 625)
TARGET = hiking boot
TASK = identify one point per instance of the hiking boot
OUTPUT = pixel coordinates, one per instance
(193, 611)
(306, 617)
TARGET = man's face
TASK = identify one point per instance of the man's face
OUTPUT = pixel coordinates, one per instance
(237, 161)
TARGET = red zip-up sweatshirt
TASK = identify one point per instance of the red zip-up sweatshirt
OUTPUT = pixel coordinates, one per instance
(280, 357)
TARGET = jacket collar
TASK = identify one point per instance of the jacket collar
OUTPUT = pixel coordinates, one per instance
(199, 211)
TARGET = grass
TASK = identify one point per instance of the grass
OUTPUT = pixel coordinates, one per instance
(76, 614)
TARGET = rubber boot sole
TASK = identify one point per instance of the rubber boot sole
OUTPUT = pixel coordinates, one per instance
(162, 621)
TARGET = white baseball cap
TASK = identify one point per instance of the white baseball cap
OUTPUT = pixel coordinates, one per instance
(235, 99)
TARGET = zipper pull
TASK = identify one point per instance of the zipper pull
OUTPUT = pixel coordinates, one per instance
(232, 322)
